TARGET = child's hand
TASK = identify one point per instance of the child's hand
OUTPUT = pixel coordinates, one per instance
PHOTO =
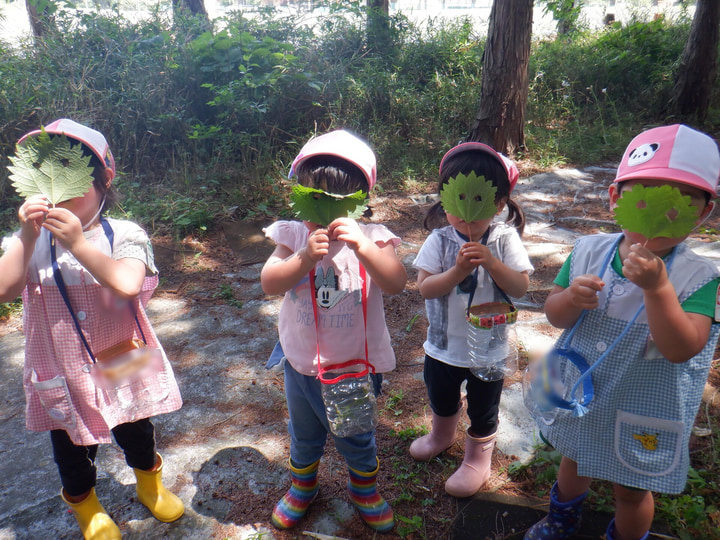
(474, 254)
(318, 244)
(644, 268)
(66, 227)
(583, 290)
(31, 215)
(347, 230)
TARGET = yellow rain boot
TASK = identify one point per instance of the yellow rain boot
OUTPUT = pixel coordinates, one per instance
(165, 506)
(94, 521)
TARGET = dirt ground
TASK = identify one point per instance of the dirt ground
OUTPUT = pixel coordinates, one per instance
(197, 268)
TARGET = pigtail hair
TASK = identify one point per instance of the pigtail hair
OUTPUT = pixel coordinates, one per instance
(516, 216)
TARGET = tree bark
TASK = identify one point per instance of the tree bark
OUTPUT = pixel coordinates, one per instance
(500, 121)
(378, 25)
(40, 21)
(696, 74)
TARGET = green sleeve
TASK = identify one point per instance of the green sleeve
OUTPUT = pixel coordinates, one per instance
(563, 277)
(703, 300)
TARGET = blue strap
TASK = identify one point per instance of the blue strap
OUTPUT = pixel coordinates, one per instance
(60, 282)
(579, 408)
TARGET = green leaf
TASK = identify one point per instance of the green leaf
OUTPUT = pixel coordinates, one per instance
(469, 198)
(317, 206)
(656, 211)
(51, 167)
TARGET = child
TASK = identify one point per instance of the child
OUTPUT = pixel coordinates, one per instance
(74, 278)
(337, 163)
(654, 361)
(446, 266)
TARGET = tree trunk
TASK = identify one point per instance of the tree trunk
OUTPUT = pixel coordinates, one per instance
(378, 25)
(696, 74)
(501, 118)
(41, 21)
(192, 7)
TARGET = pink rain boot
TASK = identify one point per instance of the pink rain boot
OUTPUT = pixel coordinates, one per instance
(475, 468)
(438, 440)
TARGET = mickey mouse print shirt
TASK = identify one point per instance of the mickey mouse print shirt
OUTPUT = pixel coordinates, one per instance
(340, 332)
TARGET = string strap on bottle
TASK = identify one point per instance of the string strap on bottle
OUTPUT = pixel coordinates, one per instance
(368, 367)
(60, 282)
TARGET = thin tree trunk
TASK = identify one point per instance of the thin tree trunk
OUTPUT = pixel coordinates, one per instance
(696, 74)
(501, 116)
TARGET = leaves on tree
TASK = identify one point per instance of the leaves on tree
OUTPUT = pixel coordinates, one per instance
(656, 211)
(322, 208)
(469, 198)
(51, 167)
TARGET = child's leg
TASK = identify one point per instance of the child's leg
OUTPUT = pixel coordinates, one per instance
(308, 434)
(308, 426)
(566, 500)
(76, 465)
(443, 385)
(483, 400)
(569, 484)
(634, 512)
(137, 439)
(78, 474)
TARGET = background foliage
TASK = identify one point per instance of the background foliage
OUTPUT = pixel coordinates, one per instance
(204, 124)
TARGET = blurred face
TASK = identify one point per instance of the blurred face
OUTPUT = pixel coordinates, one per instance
(661, 245)
(475, 229)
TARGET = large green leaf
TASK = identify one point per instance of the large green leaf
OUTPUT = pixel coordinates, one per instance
(51, 167)
(469, 198)
(656, 211)
(317, 206)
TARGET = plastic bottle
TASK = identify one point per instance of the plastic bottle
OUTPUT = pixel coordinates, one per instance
(350, 405)
(493, 351)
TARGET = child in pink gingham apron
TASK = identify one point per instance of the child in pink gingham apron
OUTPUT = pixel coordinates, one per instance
(85, 281)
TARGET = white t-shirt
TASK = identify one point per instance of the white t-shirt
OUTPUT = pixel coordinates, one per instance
(447, 329)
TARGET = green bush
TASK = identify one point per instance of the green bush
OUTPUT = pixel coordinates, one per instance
(214, 117)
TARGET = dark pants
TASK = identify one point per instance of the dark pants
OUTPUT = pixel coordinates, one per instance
(443, 384)
(77, 463)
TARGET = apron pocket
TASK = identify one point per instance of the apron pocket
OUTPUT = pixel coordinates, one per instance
(55, 398)
(647, 445)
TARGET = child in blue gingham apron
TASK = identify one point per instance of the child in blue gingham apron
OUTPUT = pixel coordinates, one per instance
(642, 314)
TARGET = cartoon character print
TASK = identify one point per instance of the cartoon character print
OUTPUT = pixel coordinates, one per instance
(648, 441)
(642, 154)
(327, 294)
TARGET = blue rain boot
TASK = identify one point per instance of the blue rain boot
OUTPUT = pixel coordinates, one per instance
(610, 533)
(561, 523)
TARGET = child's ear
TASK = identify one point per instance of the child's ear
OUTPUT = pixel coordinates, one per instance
(108, 174)
(614, 191)
(709, 207)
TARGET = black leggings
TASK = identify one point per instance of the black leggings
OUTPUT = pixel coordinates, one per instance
(76, 464)
(443, 384)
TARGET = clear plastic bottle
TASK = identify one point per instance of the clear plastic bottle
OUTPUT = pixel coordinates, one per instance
(493, 351)
(350, 405)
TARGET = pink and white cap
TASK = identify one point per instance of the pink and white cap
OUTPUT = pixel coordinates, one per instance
(675, 153)
(342, 144)
(93, 139)
(510, 167)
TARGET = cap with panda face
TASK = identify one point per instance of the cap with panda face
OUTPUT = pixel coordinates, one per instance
(674, 153)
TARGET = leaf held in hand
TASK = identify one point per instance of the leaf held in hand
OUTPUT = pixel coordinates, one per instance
(317, 206)
(469, 198)
(51, 167)
(656, 211)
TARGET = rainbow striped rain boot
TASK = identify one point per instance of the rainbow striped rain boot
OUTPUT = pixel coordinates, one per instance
(291, 508)
(362, 488)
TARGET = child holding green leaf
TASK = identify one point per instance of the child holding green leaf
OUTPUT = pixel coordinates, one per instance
(333, 272)
(641, 309)
(85, 281)
(472, 258)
